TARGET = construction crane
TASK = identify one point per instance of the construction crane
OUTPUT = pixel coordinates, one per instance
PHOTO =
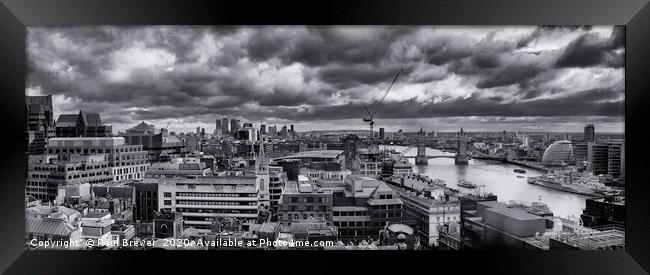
(371, 115)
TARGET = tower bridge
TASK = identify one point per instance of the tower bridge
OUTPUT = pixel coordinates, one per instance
(461, 157)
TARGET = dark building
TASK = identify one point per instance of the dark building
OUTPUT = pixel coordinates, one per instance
(470, 235)
(146, 201)
(217, 126)
(167, 224)
(82, 125)
(40, 123)
(381, 133)
(604, 211)
(234, 125)
(224, 125)
(290, 166)
(590, 133)
(598, 157)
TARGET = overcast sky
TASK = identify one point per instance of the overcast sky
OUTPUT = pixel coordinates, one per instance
(480, 78)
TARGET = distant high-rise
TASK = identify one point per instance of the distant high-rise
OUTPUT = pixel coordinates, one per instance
(283, 132)
(198, 131)
(263, 129)
(590, 133)
(292, 130)
(224, 125)
(202, 132)
(233, 125)
(217, 125)
(381, 133)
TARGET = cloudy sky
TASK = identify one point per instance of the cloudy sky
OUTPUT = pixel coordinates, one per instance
(526, 78)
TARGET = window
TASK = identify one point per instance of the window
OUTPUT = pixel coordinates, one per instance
(168, 202)
(167, 194)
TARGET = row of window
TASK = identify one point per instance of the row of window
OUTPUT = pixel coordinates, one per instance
(352, 224)
(62, 177)
(309, 200)
(296, 216)
(307, 208)
(217, 211)
(199, 194)
(185, 202)
(95, 151)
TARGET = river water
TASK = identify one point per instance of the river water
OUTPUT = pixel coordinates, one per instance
(499, 179)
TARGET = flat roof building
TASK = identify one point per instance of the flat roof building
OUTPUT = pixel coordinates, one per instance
(126, 162)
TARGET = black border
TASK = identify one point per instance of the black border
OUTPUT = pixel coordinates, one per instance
(16, 14)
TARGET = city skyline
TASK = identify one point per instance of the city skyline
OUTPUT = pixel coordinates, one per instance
(526, 78)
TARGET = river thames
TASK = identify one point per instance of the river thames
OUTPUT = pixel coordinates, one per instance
(499, 179)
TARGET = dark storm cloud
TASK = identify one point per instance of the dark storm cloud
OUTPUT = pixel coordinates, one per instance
(549, 29)
(597, 102)
(591, 50)
(318, 73)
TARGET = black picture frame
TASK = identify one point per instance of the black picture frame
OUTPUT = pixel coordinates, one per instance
(16, 14)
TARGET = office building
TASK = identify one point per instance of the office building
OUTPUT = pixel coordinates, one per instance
(125, 161)
(224, 125)
(263, 129)
(606, 211)
(598, 157)
(160, 146)
(217, 126)
(328, 158)
(178, 167)
(302, 200)
(363, 206)
(277, 182)
(497, 225)
(616, 160)
(146, 201)
(40, 123)
(234, 125)
(82, 125)
(247, 133)
(381, 134)
(590, 133)
(46, 173)
(202, 199)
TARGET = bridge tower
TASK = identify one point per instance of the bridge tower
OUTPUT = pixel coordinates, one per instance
(421, 157)
(461, 156)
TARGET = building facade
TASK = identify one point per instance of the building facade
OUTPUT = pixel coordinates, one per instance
(126, 162)
(46, 173)
(301, 201)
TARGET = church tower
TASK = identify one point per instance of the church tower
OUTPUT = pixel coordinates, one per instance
(262, 175)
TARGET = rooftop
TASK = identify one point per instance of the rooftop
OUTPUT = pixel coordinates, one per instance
(48, 226)
(315, 154)
(510, 211)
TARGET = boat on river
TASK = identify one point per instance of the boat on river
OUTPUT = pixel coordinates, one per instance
(466, 184)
